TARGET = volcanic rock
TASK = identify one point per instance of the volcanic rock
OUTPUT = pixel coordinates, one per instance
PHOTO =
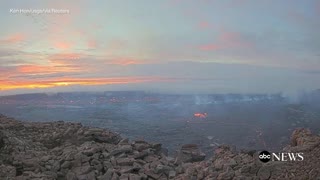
(189, 153)
(62, 150)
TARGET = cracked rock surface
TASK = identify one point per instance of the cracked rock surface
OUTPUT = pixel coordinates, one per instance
(62, 150)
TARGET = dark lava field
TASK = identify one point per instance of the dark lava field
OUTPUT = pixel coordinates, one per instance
(254, 121)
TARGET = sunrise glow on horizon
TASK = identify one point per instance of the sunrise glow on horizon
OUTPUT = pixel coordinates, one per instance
(172, 45)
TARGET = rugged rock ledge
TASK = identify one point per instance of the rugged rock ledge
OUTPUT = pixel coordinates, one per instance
(61, 150)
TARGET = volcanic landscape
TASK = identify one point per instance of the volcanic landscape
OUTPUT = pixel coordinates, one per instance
(251, 121)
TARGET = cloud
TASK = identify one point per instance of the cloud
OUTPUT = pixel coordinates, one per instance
(6, 72)
(65, 58)
(31, 84)
(17, 64)
(204, 25)
(210, 47)
(230, 38)
(125, 61)
(167, 77)
(18, 56)
(92, 44)
(4, 52)
(13, 38)
(68, 63)
(62, 45)
(317, 7)
(227, 40)
(76, 46)
(43, 76)
(116, 44)
(37, 69)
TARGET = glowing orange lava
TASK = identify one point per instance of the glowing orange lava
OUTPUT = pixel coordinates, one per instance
(200, 115)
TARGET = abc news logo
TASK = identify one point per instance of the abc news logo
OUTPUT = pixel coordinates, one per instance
(265, 156)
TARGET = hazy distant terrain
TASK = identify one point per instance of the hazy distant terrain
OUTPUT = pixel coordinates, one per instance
(254, 121)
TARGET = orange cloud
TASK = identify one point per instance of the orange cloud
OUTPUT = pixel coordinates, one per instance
(62, 45)
(69, 62)
(92, 44)
(14, 38)
(38, 69)
(9, 85)
(65, 58)
(32, 69)
(209, 47)
(126, 61)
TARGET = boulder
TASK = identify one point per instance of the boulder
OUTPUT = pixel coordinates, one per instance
(189, 153)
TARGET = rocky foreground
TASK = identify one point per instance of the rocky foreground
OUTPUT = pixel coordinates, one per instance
(61, 150)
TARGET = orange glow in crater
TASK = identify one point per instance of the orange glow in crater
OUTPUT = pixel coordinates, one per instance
(200, 115)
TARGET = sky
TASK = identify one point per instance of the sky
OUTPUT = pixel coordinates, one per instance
(178, 46)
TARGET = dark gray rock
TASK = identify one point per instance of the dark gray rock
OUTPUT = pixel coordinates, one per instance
(58, 150)
(121, 149)
(125, 161)
(7, 171)
(189, 153)
(2, 138)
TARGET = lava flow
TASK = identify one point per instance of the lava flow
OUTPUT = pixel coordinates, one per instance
(200, 115)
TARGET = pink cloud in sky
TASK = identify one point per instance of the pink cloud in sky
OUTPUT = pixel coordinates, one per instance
(227, 39)
(62, 45)
(232, 39)
(317, 7)
(37, 69)
(204, 25)
(92, 44)
(210, 47)
(14, 38)
(66, 59)
(126, 61)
